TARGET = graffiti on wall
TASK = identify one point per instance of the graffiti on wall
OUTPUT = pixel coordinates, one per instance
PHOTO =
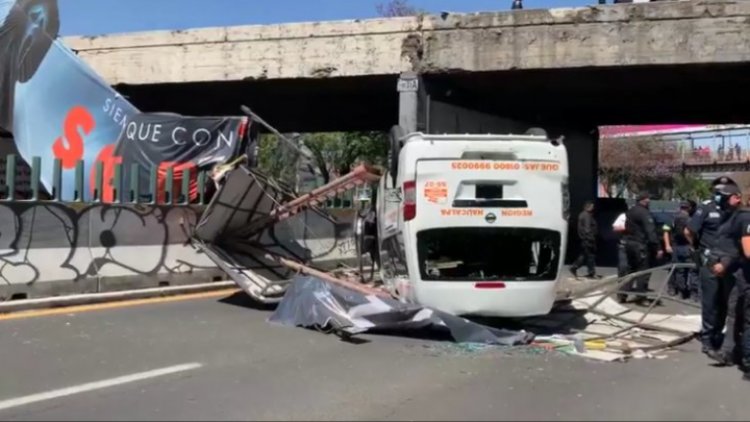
(78, 247)
(68, 243)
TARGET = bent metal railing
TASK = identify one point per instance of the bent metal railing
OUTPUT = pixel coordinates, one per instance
(168, 184)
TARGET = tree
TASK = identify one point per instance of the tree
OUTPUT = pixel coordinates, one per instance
(687, 186)
(396, 8)
(277, 159)
(636, 164)
(333, 154)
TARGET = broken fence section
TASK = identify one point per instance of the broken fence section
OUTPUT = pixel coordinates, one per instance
(596, 326)
(241, 229)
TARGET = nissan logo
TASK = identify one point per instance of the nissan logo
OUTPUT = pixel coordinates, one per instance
(490, 218)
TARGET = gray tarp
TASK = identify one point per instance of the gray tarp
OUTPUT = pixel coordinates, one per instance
(310, 302)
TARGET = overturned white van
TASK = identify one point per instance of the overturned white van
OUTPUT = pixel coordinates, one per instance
(474, 224)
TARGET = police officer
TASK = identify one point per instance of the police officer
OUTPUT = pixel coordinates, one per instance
(741, 235)
(724, 263)
(641, 245)
(587, 233)
(678, 245)
(703, 228)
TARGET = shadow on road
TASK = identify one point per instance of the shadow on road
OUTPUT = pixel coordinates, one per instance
(243, 300)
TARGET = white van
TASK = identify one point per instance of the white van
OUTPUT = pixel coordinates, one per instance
(474, 224)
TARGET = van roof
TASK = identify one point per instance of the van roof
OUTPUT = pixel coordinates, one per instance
(416, 136)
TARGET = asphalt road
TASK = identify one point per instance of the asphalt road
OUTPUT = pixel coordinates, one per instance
(250, 369)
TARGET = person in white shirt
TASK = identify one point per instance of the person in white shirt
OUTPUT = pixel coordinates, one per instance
(622, 258)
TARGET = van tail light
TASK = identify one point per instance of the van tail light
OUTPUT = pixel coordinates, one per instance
(490, 285)
(410, 200)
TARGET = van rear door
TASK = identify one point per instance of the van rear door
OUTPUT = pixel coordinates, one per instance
(487, 219)
(480, 192)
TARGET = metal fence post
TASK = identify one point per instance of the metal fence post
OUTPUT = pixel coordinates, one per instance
(99, 182)
(36, 169)
(135, 183)
(154, 182)
(57, 180)
(117, 184)
(202, 187)
(186, 186)
(169, 187)
(10, 176)
(79, 194)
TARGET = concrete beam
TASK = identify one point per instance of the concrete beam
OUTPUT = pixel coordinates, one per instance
(660, 33)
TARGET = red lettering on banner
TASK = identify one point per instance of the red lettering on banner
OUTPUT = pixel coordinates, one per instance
(177, 170)
(110, 160)
(69, 147)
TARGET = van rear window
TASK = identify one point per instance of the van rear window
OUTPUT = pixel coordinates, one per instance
(490, 254)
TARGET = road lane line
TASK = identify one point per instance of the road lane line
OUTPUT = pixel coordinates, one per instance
(69, 391)
(114, 305)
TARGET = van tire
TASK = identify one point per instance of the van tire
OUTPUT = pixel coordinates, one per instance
(397, 133)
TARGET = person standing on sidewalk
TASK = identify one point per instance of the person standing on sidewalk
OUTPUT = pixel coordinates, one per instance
(587, 233)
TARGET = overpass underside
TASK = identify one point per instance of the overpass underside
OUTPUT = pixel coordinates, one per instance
(569, 102)
(583, 97)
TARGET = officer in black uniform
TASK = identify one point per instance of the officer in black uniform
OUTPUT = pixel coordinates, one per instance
(724, 263)
(694, 280)
(703, 231)
(587, 233)
(677, 245)
(741, 235)
(641, 246)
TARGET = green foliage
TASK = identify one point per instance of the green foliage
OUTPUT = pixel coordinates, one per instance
(334, 154)
(277, 159)
(691, 187)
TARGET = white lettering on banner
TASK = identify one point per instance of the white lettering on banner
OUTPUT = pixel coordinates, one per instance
(135, 131)
(196, 137)
(174, 135)
(116, 112)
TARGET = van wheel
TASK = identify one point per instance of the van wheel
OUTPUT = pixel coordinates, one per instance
(396, 134)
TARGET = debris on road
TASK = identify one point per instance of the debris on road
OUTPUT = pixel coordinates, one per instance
(316, 303)
(605, 330)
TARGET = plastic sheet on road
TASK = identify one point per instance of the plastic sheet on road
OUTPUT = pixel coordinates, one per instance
(314, 303)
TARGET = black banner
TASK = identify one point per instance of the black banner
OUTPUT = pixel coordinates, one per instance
(164, 141)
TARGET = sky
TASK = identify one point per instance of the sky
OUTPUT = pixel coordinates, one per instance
(97, 17)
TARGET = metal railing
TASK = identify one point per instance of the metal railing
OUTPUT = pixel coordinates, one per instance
(23, 182)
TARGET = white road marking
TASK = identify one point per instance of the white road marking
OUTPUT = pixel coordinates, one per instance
(69, 391)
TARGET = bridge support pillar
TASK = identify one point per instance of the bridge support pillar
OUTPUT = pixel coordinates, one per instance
(408, 105)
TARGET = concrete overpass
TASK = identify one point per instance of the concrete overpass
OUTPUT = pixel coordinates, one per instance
(602, 64)
(567, 70)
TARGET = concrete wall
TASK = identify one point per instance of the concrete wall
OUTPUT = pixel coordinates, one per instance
(663, 33)
(49, 248)
(54, 248)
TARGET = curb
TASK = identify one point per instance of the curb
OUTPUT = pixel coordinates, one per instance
(94, 298)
